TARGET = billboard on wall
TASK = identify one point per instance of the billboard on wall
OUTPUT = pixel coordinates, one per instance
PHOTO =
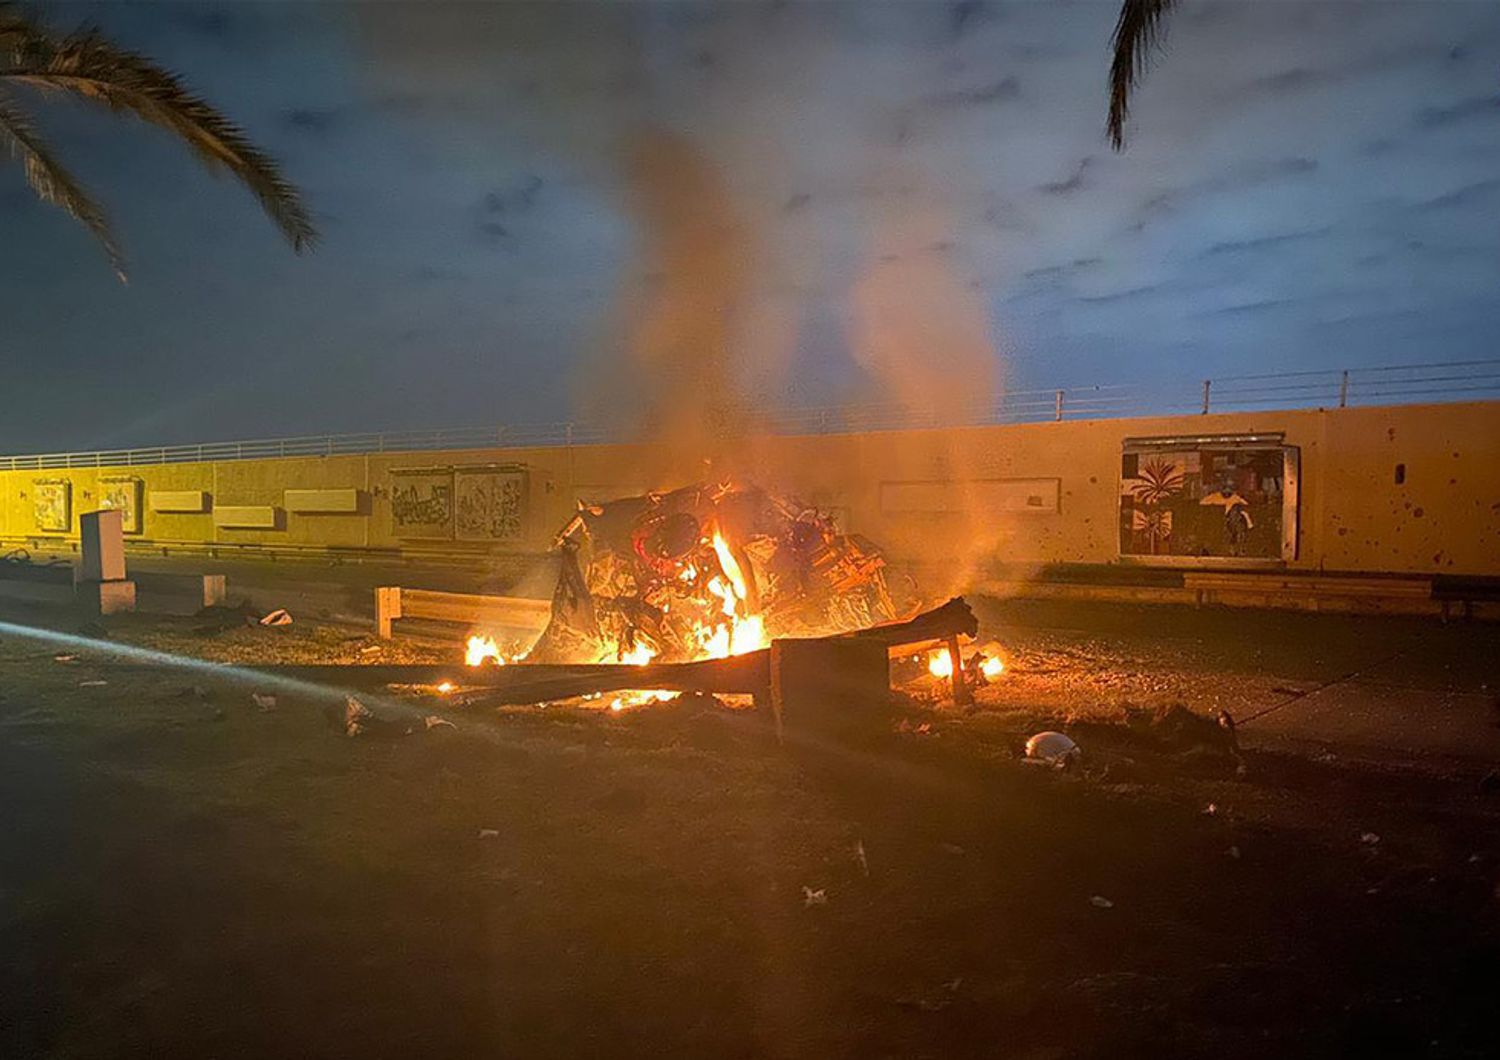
(422, 502)
(483, 503)
(1220, 497)
(52, 505)
(123, 494)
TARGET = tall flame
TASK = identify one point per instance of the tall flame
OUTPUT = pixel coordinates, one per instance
(740, 632)
(730, 566)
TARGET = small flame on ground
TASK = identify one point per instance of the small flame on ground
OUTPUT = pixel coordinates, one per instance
(445, 687)
(480, 649)
(636, 699)
(940, 664)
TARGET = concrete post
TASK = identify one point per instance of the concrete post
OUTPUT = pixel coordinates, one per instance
(102, 538)
(102, 586)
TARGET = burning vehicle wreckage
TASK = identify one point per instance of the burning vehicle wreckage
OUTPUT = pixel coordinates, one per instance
(706, 572)
(727, 589)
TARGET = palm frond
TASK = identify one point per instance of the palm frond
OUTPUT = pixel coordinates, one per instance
(87, 65)
(53, 183)
(15, 28)
(1137, 34)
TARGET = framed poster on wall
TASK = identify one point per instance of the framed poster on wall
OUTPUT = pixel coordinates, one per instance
(52, 505)
(1219, 499)
(123, 494)
(490, 503)
(422, 503)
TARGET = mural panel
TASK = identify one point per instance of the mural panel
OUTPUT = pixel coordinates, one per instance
(52, 505)
(491, 504)
(422, 502)
(1206, 498)
(123, 495)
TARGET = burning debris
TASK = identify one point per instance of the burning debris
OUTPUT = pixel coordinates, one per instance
(684, 592)
(705, 572)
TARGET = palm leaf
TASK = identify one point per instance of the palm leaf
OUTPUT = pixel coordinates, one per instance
(1137, 34)
(87, 65)
(53, 183)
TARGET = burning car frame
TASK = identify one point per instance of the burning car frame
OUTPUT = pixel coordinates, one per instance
(706, 572)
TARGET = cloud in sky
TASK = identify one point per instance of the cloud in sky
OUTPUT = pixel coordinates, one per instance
(1306, 185)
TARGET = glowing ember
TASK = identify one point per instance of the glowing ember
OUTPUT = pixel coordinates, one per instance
(445, 687)
(940, 663)
(992, 667)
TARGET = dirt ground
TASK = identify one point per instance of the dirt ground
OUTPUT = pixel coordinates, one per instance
(184, 871)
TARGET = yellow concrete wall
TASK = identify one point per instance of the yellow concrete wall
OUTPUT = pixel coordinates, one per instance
(1445, 517)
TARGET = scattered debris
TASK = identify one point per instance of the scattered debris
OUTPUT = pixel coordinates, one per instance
(280, 617)
(1053, 749)
(1211, 809)
(370, 649)
(432, 721)
(1098, 901)
(92, 684)
(1369, 839)
(264, 700)
(489, 833)
(64, 658)
(811, 897)
(859, 857)
(360, 721)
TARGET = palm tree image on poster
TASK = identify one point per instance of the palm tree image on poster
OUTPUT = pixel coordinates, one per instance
(1157, 481)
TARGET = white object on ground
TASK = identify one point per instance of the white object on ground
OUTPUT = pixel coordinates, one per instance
(1101, 902)
(264, 700)
(811, 897)
(1053, 748)
(280, 617)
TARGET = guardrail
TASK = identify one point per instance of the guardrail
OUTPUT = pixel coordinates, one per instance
(1387, 385)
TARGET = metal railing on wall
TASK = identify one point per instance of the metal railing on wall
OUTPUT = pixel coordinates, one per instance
(1339, 388)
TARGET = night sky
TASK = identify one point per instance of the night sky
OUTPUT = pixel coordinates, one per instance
(520, 204)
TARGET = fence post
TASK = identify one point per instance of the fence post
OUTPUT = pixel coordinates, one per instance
(1207, 385)
(1058, 414)
(1344, 389)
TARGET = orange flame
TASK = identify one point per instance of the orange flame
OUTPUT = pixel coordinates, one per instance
(481, 648)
